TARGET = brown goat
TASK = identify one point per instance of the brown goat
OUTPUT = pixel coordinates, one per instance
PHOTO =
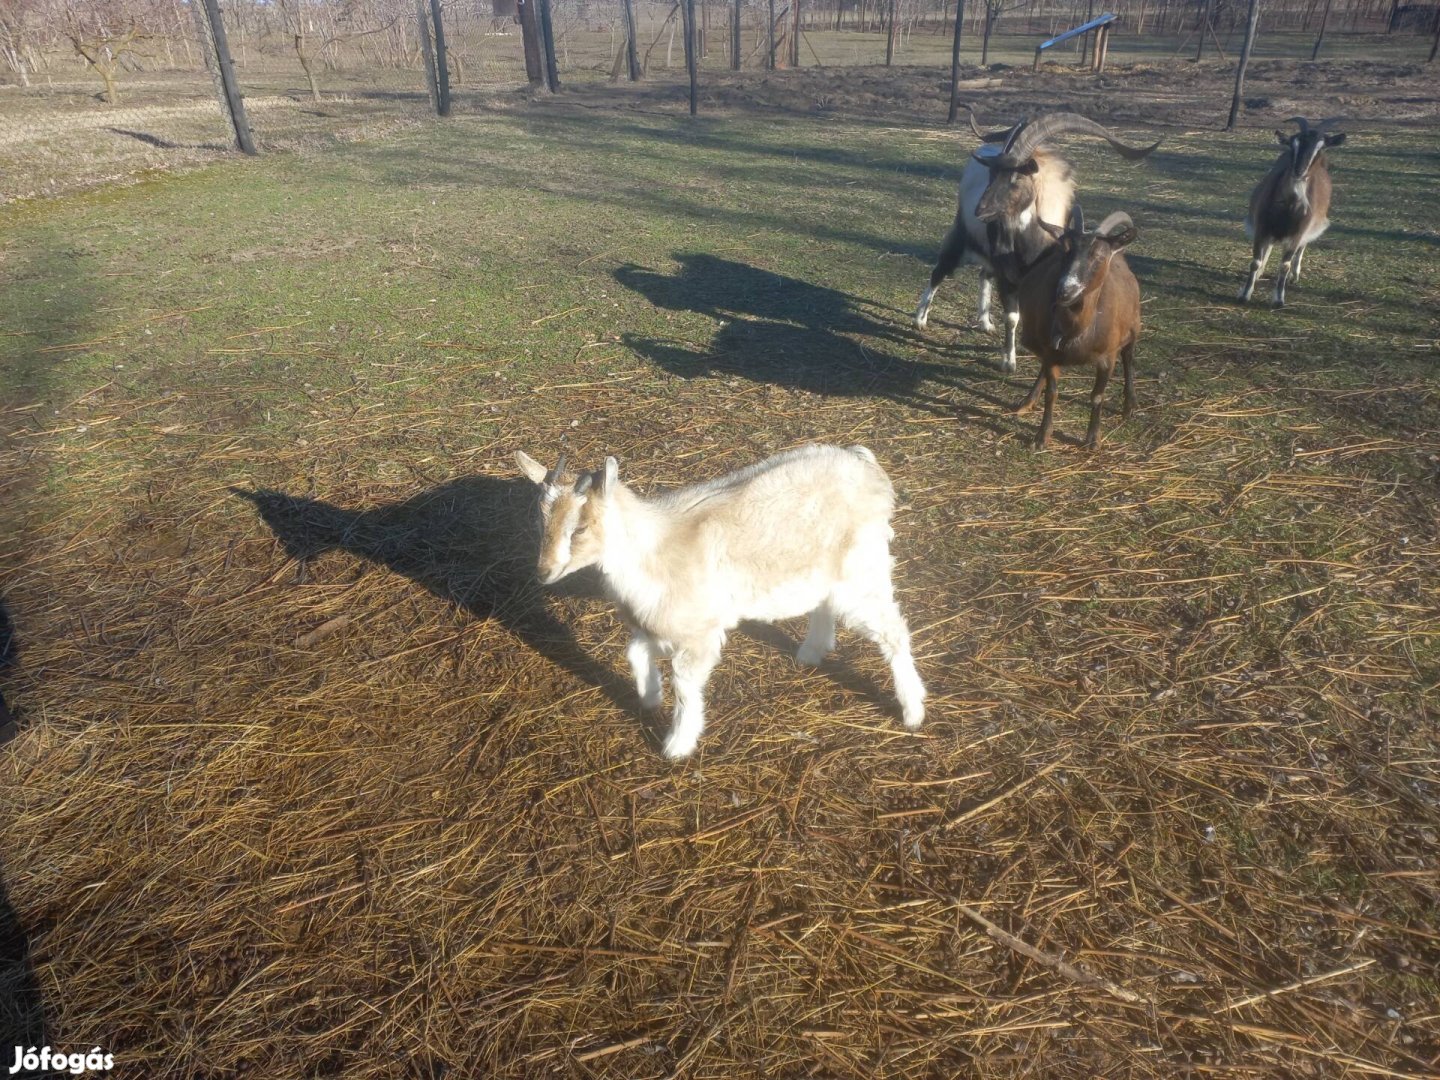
(1080, 306)
(1290, 206)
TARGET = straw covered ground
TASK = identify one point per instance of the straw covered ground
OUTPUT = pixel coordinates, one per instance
(313, 780)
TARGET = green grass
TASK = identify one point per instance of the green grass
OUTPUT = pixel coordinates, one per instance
(232, 823)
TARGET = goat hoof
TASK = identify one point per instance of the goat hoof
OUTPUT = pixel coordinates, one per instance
(1092, 445)
(678, 749)
(811, 656)
(1021, 409)
(986, 325)
(912, 717)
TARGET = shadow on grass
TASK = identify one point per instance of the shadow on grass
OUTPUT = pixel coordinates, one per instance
(164, 144)
(473, 542)
(788, 332)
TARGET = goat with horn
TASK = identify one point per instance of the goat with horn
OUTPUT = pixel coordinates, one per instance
(1014, 184)
(1290, 207)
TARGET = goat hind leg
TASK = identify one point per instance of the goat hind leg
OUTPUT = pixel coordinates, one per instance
(648, 684)
(819, 638)
(1127, 358)
(1047, 421)
(1012, 325)
(1097, 397)
(951, 252)
(1032, 397)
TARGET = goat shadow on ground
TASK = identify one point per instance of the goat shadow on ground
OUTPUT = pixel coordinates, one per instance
(792, 333)
(473, 542)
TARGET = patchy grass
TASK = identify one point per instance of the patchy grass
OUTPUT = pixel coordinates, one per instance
(314, 780)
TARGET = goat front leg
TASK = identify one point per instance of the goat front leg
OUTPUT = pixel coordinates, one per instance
(982, 314)
(1299, 258)
(1097, 396)
(1281, 277)
(691, 665)
(648, 684)
(819, 638)
(1127, 357)
(1052, 379)
(1257, 264)
(951, 253)
(1012, 324)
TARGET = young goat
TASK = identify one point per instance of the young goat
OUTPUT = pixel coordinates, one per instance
(806, 531)
(1290, 205)
(1013, 185)
(1081, 306)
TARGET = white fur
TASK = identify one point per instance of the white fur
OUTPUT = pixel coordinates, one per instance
(804, 532)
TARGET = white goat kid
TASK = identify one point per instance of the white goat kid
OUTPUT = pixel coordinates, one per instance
(806, 531)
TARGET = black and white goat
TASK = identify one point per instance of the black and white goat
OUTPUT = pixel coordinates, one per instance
(806, 531)
(1291, 206)
(1013, 185)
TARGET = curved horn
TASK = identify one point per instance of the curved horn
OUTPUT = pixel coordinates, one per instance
(1301, 121)
(555, 472)
(1036, 134)
(987, 136)
(1011, 137)
(1118, 220)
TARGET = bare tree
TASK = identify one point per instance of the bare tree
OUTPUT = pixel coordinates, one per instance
(1244, 63)
(102, 47)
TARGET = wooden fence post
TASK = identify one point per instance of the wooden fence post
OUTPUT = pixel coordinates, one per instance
(229, 87)
(547, 40)
(955, 61)
(735, 37)
(442, 73)
(687, 9)
(427, 53)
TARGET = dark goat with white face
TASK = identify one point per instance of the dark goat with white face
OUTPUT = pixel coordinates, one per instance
(1012, 187)
(1291, 206)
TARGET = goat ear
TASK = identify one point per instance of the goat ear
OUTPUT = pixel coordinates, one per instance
(532, 469)
(1122, 236)
(1030, 168)
(1334, 138)
(1054, 230)
(610, 476)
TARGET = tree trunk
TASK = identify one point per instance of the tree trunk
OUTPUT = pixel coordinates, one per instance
(890, 35)
(955, 60)
(1204, 25)
(632, 59)
(985, 42)
(795, 35)
(1435, 45)
(1250, 26)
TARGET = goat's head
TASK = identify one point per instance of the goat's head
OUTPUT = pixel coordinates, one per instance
(572, 509)
(1305, 146)
(1011, 157)
(1087, 255)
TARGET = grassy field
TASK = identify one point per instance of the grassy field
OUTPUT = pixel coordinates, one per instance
(313, 780)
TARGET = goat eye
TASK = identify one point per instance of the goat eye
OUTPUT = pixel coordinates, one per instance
(579, 529)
